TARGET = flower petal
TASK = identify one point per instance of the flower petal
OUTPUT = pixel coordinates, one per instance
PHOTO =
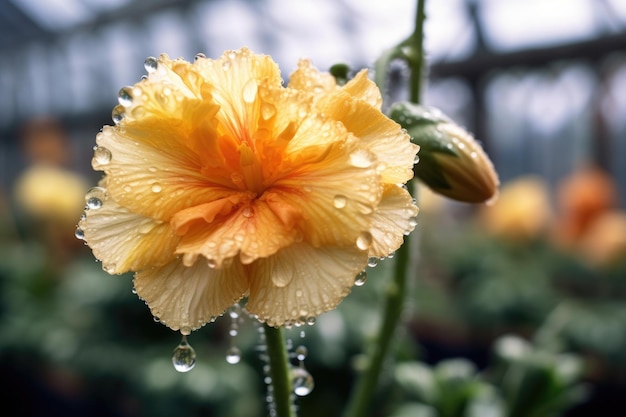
(253, 230)
(151, 173)
(335, 186)
(125, 241)
(393, 219)
(380, 135)
(361, 87)
(186, 297)
(308, 78)
(301, 281)
(235, 78)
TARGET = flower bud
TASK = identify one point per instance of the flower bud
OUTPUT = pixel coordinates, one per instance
(451, 162)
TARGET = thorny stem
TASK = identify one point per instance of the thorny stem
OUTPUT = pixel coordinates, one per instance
(279, 370)
(367, 381)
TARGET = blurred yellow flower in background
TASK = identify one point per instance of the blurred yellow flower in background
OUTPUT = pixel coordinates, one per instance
(50, 193)
(522, 211)
(221, 183)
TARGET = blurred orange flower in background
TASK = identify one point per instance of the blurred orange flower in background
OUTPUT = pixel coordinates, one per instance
(582, 196)
(220, 183)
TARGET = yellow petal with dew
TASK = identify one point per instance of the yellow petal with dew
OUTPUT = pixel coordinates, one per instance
(125, 241)
(395, 217)
(150, 173)
(380, 135)
(253, 230)
(362, 88)
(301, 282)
(186, 297)
(308, 78)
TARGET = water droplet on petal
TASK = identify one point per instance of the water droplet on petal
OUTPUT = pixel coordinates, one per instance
(184, 357)
(360, 279)
(94, 197)
(310, 320)
(413, 221)
(361, 158)
(340, 201)
(249, 91)
(199, 55)
(94, 203)
(125, 97)
(156, 188)
(233, 355)
(101, 155)
(372, 262)
(302, 381)
(118, 114)
(80, 234)
(364, 240)
(247, 212)
(151, 64)
(267, 111)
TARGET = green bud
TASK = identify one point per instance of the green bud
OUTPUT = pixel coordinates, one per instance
(341, 72)
(451, 162)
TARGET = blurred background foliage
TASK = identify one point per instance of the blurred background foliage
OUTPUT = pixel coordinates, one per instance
(516, 309)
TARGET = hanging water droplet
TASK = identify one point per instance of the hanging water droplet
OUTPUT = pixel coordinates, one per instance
(360, 278)
(310, 320)
(125, 96)
(413, 221)
(340, 201)
(80, 234)
(233, 355)
(151, 64)
(302, 381)
(235, 311)
(416, 159)
(101, 155)
(364, 240)
(184, 357)
(118, 114)
(372, 262)
(301, 352)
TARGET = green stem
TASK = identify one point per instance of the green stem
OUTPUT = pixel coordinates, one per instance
(367, 381)
(279, 370)
(415, 43)
(365, 387)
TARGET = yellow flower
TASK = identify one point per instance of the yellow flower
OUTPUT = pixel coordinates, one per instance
(220, 183)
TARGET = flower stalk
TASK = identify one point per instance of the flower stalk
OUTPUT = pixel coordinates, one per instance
(279, 370)
(411, 50)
